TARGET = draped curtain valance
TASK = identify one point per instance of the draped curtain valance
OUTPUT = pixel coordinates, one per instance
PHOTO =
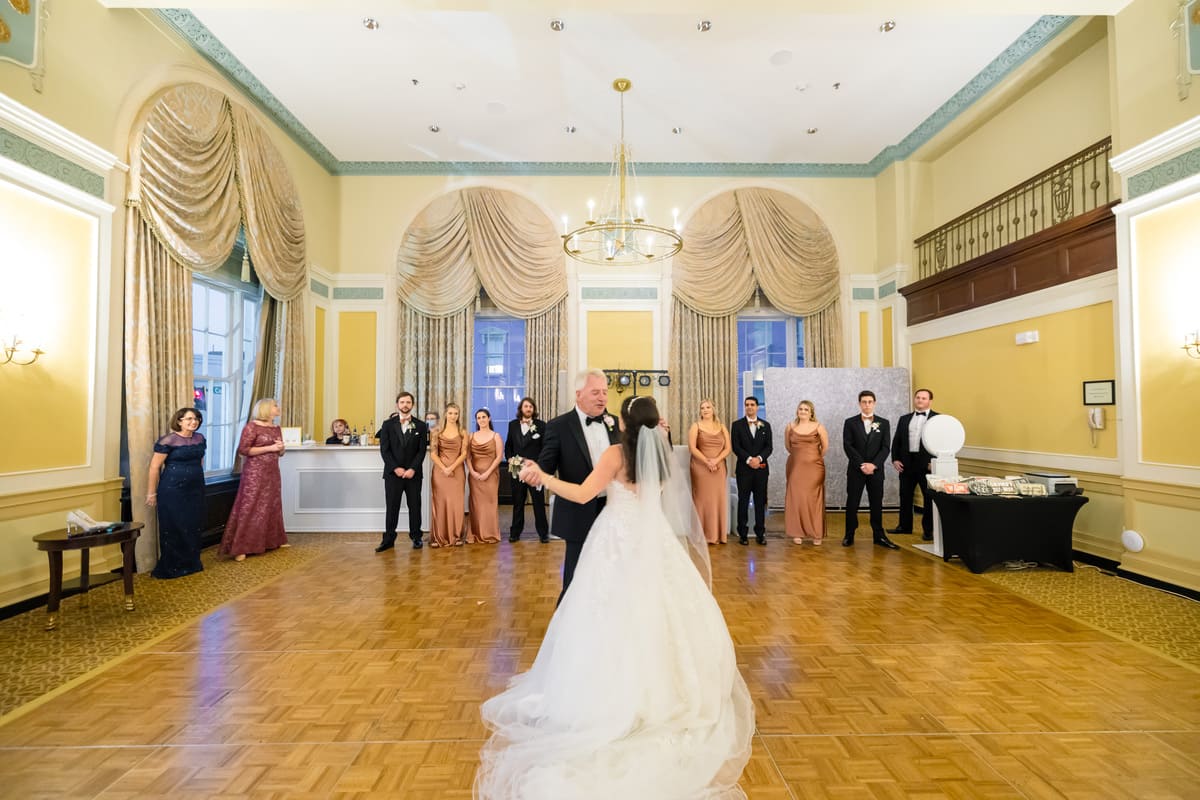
(464, 240)
(756, 238)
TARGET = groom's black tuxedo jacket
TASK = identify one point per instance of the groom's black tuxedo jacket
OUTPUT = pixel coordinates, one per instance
(528, 446)
(400, 449)
(746, 445)
(565, 451)
(900, 450)
(861, 448)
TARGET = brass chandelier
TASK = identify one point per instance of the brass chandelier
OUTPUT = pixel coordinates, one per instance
(619, 235)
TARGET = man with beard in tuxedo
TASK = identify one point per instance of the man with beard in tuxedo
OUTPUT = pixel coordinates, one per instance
(526, 435)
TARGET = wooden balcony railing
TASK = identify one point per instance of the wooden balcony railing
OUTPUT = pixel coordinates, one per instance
(1074, 186)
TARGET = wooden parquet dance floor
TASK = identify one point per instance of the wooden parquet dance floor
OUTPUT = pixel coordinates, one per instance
(876, 674)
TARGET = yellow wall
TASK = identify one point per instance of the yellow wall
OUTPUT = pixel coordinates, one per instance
(1146, 62)
(319, 422)
(1166, 242)
(1058, 117)
(47, 275)
(618, 339)
(885, 324)
(1029, 397)
(864, 339)
(356, 368)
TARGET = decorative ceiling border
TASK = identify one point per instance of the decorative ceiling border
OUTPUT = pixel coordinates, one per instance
(38, 158)
(210, 47)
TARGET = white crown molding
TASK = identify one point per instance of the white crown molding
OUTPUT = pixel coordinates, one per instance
(1087, 291)
(43, 131)
(1168, 194)
(1057, 461)
(1163, 147)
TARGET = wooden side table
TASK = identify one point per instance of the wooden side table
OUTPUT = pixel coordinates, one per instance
(56, 542)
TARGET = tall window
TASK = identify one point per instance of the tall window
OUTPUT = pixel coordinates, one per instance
(498, 374)
(766, 342)
(224, 342)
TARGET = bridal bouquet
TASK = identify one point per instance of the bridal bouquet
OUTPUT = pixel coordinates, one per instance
(514, 466)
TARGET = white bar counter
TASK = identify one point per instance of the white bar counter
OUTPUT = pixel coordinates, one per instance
(334, 488)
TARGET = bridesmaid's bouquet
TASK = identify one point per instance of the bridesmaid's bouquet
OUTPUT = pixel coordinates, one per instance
(514, 466)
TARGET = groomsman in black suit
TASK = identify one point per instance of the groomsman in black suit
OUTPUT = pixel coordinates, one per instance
(751, 441)
(525, 438)
(403, 440)
(866, 438)
(573, 443)
(912, 460)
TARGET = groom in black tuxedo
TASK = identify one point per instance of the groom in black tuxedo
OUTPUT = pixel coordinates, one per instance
(912, 460)
(750, 438)
(866, 439)
(403, 440)
(573, 444)
(526, 434)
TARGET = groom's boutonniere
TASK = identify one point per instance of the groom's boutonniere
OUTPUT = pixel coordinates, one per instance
(758, 424)
(535, 435)
(609, 421)
(874, 427)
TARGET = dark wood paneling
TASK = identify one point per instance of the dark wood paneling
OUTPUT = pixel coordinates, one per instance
(1077, 248)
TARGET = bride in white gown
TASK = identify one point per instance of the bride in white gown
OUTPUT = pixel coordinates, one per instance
(634, 694)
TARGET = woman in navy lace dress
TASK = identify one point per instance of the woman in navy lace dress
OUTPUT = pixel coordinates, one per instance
(177, 489)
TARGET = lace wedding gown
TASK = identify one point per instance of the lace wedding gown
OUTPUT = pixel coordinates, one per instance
(634, 694)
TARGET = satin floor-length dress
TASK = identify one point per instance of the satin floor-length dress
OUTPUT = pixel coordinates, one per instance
(804, 501)
(446, 506)
(710, 490)
(484, 523)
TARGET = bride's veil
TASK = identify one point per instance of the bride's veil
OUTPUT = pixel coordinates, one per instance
(659, 483)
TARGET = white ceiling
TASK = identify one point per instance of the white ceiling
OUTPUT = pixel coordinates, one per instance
(733, 90)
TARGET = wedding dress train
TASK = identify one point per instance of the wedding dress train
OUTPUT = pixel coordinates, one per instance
(635, 693)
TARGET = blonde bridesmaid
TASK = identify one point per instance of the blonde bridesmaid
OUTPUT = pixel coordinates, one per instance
(483, 466)
(806, 441)
(708, 441)
(447, 452)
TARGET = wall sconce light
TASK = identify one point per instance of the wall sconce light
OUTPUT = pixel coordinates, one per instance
(1191, 344)
(14, 353)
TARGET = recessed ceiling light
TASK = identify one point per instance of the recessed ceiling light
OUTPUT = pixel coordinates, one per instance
(780, 57)
(460, 86)
(677, 129)
(569, 128)
(434, 128)
(704, 26)
(557, 25)
(370, 23)
(416, 82)
(811, 131)
(888, 26)
(837, 86)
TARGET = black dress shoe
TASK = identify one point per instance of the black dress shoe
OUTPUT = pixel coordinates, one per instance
(417, 544)
(514, 537)
(847, 541)
(544, 538)
(385, 546)
(898, 530)
(883, 541)
(743, 540)
(760, 539)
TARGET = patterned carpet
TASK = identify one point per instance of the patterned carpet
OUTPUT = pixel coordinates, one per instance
(95, 633)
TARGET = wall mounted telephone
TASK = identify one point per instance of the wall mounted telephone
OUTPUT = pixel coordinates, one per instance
(1096, 418)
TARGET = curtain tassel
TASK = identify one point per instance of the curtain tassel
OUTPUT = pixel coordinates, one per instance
(245, 266)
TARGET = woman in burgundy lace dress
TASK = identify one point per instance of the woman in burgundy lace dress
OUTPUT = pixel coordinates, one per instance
(256, 523)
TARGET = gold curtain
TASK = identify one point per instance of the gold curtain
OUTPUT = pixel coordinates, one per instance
(158, 361)
(703, 365)
(460, 242)
(200, 169)
(823, 337)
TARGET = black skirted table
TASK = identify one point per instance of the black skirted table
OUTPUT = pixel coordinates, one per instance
(985, 530)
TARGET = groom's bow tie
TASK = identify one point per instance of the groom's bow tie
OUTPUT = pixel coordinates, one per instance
(590, 420)
(920, 413)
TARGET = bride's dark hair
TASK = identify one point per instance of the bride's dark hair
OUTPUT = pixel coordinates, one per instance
(639, 415)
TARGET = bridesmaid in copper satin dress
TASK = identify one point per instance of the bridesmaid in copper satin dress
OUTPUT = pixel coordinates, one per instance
(486, 451)
(447, 451)
(256, 523)
(708, 441)
(806, 441)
